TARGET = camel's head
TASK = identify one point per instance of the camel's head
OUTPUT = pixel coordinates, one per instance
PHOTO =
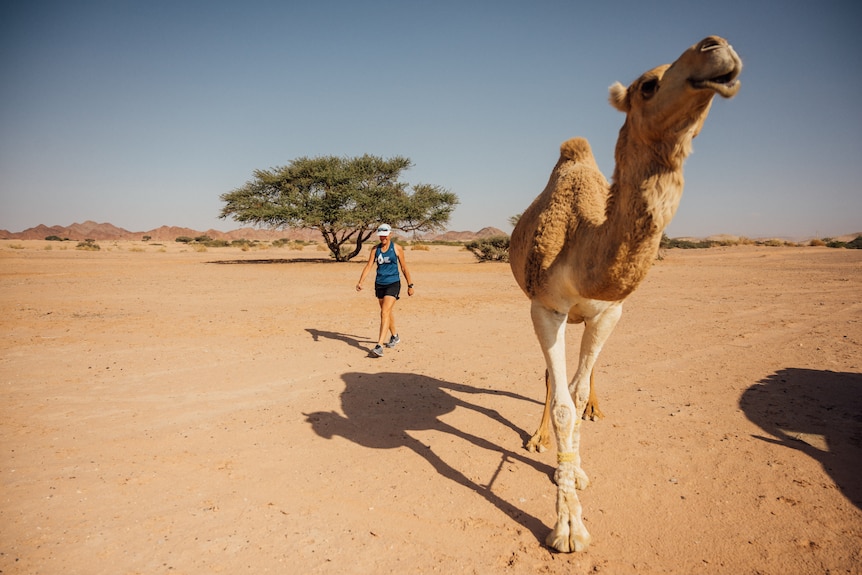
(676, 97)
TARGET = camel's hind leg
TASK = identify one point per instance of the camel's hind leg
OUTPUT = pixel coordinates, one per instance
(592, 412)
(541, 440)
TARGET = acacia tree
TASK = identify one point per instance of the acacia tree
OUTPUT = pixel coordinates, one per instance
(343, 198)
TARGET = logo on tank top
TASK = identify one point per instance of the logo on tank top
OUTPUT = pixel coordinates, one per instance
(383, 259)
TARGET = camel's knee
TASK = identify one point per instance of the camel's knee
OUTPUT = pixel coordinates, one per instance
(564, 420)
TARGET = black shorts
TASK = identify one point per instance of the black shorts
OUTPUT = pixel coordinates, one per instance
(393, 290)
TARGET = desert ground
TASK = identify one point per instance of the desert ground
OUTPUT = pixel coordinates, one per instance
(167, 410)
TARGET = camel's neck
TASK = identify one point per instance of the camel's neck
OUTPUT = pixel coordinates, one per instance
(645, 192)
(646, 188)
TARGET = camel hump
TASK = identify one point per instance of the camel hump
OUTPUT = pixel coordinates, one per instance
(576, 149)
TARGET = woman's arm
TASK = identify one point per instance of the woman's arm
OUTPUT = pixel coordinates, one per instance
(365, 270)
(403, 261)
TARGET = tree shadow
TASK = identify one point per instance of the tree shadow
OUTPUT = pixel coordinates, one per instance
(795, 406)
(351, 340)
(381, 409)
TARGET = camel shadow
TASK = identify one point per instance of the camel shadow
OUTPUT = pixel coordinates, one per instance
(797, 406)
(351, 340)
(381, 409)
(275, 261)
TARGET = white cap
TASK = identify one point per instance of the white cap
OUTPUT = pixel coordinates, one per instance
(384, 230)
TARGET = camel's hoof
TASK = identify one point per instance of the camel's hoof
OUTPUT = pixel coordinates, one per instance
(566, 541)
(537, 444)
(593, 413)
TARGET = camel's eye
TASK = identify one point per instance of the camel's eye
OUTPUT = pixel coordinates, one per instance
(649, 88)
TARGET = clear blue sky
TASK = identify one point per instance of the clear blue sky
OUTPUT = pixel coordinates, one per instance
(143, 113)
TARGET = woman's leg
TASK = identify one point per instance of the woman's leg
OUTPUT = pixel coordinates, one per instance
(387, 304)
(392, 329)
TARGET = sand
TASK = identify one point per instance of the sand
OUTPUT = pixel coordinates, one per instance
(166, 410)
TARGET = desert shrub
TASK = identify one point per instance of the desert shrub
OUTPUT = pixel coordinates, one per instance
(816, 243)
(184, 240)
(16, 246)
(56, 239)
(420, 247)
(90, 245)
(727, 242)
(854, 244)
(667, 243)
(494, 249)
(211, 243)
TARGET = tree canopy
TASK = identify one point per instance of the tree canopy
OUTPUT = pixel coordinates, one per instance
(343, 198)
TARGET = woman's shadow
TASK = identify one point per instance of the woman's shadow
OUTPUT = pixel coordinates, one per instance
(349, 339)
(793, 405)
(381, 409)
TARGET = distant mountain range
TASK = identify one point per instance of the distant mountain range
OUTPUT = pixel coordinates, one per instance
(107, 232)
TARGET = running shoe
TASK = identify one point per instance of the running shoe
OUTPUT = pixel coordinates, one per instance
(393, 341)
(378, 351)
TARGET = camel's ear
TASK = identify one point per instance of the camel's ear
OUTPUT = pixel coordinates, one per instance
(618, 97)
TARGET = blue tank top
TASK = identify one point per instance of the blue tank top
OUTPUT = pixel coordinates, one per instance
(387, 266)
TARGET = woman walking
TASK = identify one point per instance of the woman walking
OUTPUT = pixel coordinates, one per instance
(387, 286)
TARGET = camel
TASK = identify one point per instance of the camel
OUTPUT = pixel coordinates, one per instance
(584, 245)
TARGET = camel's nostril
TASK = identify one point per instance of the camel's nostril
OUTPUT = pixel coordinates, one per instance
(709, 44)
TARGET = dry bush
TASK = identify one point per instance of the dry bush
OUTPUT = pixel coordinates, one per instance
(89, 245)
(494, 249)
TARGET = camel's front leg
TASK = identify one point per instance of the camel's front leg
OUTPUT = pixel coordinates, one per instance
(569, 533)
(597, 329)
(541, 440)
